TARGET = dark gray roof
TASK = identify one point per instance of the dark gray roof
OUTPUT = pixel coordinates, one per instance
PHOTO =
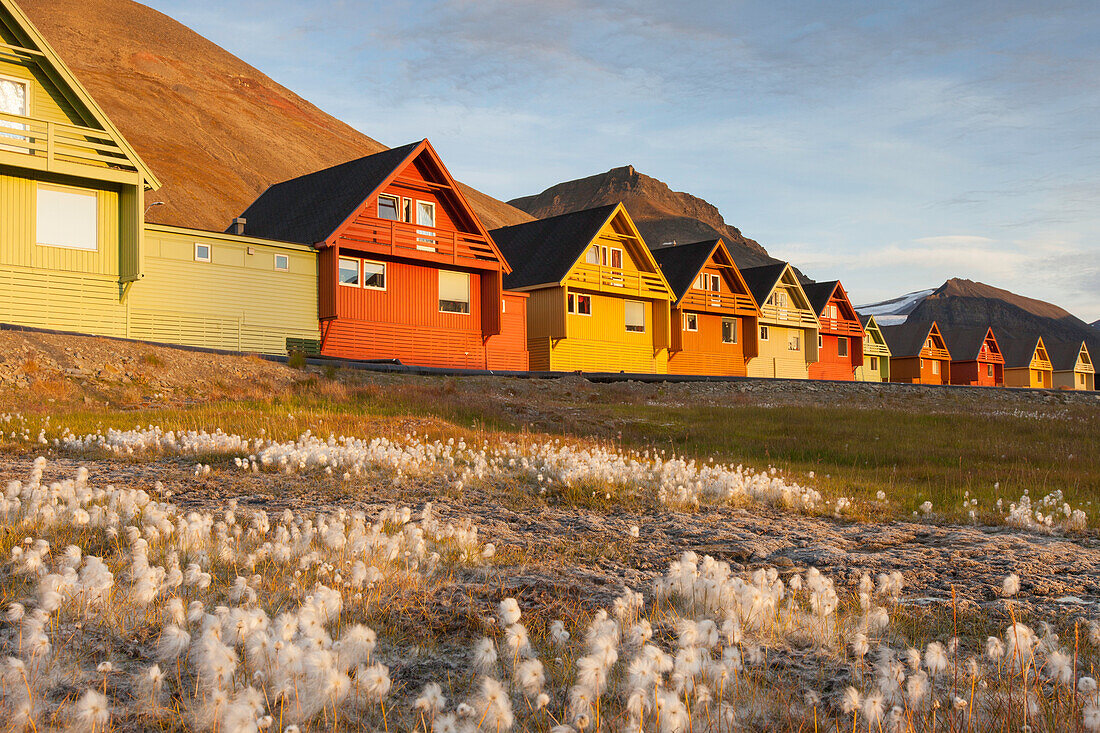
(965, 344)
(1063, 354)
(761, 280)
(309, 208)
(906, 339)
(1018, 350)
(543, 251)
(819, 294)
(865, 319)
(681, 263)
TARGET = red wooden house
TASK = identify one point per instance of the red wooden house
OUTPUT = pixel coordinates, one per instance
(406, 269)
(918, 354)
(714, 316)
(840, 337)
(975, 357)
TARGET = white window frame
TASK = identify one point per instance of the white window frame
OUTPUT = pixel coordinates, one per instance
(820, 341)
(286, 263)
(572, 304)
(989, 370)
(795, 339)
(734, 328)
(936, 366)
(842, 340)
(606, 253)
(592, 255)
(71, 191)
(765, 333)
(16, 127)
(209, 252)
(396, 206)
(691, 322)
(634, 329)
(426, 240)
(874, 363)
(358, 272)
(469, 294)
(363, 275)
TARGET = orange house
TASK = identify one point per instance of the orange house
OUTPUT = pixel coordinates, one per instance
(407, 271)
(714, 316)
(918, 353)
(975, 357)
(840, 338)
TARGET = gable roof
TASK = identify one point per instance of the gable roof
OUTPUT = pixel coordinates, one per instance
(965, 344)
(1019, 350)
(820, 294)
(682, 263)
(309, 208)
(907, 339)
(762, 280)
(544, 251)
(54, 65)
(1064, 354)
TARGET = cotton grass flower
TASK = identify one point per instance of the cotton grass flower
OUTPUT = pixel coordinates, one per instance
(90, 712)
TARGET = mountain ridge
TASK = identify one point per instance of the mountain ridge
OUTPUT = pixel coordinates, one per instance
(215, 130)
(661, 214)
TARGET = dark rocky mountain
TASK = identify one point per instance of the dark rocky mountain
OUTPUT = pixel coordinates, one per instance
(216, 131)
(661, 214)
(969, 304)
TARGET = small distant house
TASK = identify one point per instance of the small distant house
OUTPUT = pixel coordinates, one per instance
(976, 358)
(876, 354)
(598, 301)
(1073, 367)
(787, 338)
(1027, 363)
(840, 335)
(406, 269)
(918, 353)
(714, 318)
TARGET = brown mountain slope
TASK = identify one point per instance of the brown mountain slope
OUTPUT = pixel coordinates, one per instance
(662, 215)
(969, 304)
(215, 130)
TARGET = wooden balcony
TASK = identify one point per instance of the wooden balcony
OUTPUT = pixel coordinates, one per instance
(708, 302)
(841, 326)
(933, 353)
(616, 281)
(797, 317)
(419, 242)
(54, 147)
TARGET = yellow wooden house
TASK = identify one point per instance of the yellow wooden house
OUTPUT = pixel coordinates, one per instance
(598, 301)
(876, 353)
(1027, 363)
(1073, 367)
(787, 342)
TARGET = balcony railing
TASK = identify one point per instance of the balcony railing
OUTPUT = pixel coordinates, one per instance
(840, 325)
(610, 279)
(63, 148)
(417, 241)
(698, 300)
(794, 316)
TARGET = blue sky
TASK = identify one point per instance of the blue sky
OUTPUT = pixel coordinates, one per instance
(891, 145)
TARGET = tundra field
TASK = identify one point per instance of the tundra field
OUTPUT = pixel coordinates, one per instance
(197, 542)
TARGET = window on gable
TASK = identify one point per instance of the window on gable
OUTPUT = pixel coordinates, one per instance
(579, 304)
(282, 262)
(635, 316)
(709, 281)
(454, 292)
(831, 311)
(592, 256)
(425, 216)
(374, 275)
(729, 330)
(691, 322)
(613, 257)
(842, 346)
(387, 208)
(67, 217)
(14, 100)
(349, 272)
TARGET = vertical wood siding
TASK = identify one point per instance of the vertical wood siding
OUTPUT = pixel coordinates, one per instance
(830, 364)
(546, 314)
(774, 359)
(508, 349)
(702, 351)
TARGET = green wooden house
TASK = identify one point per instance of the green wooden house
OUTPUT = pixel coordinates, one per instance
(75, 252)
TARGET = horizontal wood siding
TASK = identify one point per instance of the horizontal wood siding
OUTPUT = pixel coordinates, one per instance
(574, 354)
(774, 359)
(414, 345)
(1076, 380)
(411, 298)
(831, 365)
(237, 301)
(702, 351)
(976, 373)
(909, 370)
(538, 354)
(865, 373)
(67, 301)
(1034, 378)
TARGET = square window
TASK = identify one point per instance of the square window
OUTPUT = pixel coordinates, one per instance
(691, 322)
(794, 342)
(387, 208)
(374, 275)
(764, 333)
(579, 304)
(842, 346)
(729, 330)
(635, 316)
(282, 262)
(454, 292)
(67, 217)
(349, 272)
(202, 252)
